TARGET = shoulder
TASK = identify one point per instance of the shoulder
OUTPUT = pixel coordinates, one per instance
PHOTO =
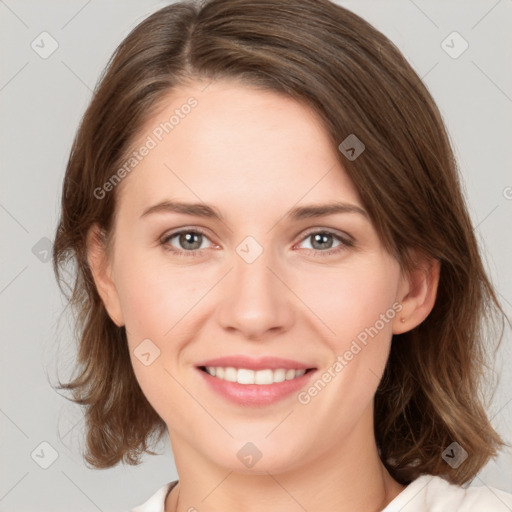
(156, 503)
(434, 494)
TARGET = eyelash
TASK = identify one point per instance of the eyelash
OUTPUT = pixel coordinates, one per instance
(345, 242)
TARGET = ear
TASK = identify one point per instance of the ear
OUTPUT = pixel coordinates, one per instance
(417, 292)
(101, 270)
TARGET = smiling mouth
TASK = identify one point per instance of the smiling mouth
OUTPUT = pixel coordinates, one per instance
(247, 376)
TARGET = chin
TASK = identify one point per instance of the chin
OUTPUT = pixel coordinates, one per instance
(258, 457)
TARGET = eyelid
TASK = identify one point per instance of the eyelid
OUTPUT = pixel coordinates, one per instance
(170, 234)
(343, 236)
(345, 240)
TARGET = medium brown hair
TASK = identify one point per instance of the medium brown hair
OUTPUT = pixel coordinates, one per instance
(359, 83)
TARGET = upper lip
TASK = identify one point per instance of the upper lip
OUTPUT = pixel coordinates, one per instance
(259, 363)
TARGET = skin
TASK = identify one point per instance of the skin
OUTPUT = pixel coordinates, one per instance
(254, 155)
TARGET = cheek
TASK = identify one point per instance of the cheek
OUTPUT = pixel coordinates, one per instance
(352, 302)
(154, 296)
(351, 299)
(155, 301)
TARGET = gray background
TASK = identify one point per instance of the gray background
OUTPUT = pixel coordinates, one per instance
(42, 101)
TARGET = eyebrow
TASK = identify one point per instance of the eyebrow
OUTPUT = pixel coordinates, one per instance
(298, 213)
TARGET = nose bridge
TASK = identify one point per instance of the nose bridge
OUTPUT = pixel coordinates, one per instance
(256, 300)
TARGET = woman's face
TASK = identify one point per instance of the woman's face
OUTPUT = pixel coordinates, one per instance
(261, 278)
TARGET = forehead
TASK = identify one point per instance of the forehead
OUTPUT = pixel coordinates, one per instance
(235, 145)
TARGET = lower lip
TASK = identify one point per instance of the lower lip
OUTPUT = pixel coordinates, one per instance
(255, 394)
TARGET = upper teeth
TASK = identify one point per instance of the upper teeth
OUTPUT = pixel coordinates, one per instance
(245, 376)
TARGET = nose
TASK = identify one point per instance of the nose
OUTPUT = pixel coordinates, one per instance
(256, 301)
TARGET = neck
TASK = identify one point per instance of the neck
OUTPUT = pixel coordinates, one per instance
(347, 477)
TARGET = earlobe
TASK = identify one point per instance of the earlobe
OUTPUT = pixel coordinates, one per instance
(417, 294)
(101, 270)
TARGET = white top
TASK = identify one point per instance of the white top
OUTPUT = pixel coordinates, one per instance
(425, 494)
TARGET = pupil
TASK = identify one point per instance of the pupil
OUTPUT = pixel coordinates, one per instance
(322, 238)
(187, 239)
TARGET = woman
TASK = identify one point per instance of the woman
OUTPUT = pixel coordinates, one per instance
(226, 143)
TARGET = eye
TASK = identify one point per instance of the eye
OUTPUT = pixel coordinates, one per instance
(322, 241)
(189, 241)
